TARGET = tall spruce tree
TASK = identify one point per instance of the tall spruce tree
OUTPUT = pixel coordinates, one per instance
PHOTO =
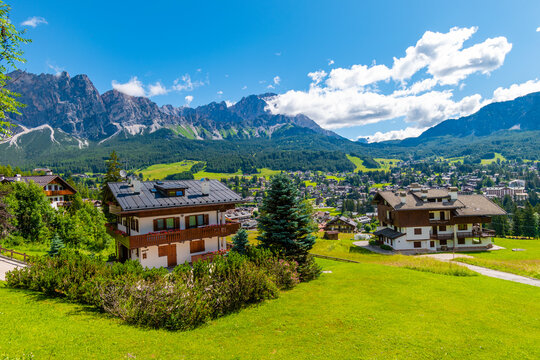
(516, 223)
(112, 175)
(285, 223)
(529, 221)
(56, 245)
(240, 241)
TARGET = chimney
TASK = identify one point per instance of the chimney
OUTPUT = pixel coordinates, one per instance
(424, 194)
(136, 184)
(403, 197)
(205, 186)
(453, 193)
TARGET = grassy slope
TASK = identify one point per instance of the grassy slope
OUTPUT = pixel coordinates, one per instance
(525, 263)
(160, 171)
(385, 164)
(357, 311)
(489, 161)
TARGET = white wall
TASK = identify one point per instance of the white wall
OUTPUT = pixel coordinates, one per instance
(182, 253)
(146, 224)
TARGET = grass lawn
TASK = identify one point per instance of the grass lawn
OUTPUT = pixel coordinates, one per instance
(380, 185)
(356, 311)
(526, 263)
(490, 161)
(160, 171)
(344, 249)
(385, 164)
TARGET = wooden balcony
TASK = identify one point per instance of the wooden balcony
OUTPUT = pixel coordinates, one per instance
(463, 235)
(168, 237)
(58, 192)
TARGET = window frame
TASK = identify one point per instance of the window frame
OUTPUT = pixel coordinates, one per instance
(417, 244)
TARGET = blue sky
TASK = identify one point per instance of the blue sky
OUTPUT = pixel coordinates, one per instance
(201, 51)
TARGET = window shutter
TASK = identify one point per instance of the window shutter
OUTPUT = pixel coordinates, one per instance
(155, 225)
(177, 223)
(206, 221)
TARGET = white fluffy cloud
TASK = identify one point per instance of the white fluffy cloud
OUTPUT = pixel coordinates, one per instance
(277, 80)
(437, 63)
(516, 90)
(188, 99)
(157, 89)
(185, 83)
(133, 87)
(34, 21)
(538, 29)
(394, 134)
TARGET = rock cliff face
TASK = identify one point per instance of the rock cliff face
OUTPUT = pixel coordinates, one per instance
(74, 105)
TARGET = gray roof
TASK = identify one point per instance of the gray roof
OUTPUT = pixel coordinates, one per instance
(41, 180)
(464, 205)
(389, 233)
(342, 218)
(150, 200)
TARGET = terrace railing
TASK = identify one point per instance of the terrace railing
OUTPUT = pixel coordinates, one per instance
(463, 235)
(172, 236)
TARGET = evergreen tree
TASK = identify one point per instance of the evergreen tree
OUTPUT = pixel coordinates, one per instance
(5, 216)
(240, 241)
(112, 175)
(285, 223)
(516, 223)
(56, 245)
(529, 221)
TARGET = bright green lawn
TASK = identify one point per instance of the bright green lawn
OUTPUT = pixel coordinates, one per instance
(160, 171)
(344, 249)
(489, 161)
(385, 164)
(526, 263)
(358, 311)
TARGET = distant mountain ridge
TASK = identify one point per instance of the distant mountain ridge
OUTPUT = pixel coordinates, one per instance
(522, 113)
(74, 105)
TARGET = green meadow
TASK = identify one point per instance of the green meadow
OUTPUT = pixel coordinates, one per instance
(360, 311)
(385, 164)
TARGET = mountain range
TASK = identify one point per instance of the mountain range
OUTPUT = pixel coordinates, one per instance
(67, 123)
(74, 106)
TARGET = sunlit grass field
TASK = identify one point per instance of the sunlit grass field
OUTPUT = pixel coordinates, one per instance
(526, 263)
(385, 164)
(353, 311)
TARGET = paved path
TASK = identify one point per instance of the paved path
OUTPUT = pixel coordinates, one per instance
(7, 264)
(503, 275)
(365, 245)
(485, 271)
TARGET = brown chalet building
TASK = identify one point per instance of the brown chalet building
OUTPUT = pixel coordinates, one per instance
(53, 186)
(165, 223)
(428, 220)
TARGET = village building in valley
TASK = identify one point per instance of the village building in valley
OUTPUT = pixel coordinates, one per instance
(165, 223)
(56, 189)
(428, 220)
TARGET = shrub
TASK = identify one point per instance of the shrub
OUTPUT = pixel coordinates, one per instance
(183, 299)
(386, 247)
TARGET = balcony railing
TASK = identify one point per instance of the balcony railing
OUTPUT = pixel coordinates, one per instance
(463, 235)
(58, 192)
(172, 236)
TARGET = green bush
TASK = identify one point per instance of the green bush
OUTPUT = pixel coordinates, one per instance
(183, 299)
(386, 247)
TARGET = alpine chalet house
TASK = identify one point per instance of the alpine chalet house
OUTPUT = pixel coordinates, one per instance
(54, 186)
(165, 223)
(341, 224)
(428, 220)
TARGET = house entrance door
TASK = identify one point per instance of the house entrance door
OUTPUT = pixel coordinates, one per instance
(171, 255)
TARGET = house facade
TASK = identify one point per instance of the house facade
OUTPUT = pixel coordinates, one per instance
(341, 224)
(165, 223)
(428, 220)
(56, 189)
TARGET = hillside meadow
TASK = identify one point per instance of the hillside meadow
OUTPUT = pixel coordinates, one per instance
(352, 311)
